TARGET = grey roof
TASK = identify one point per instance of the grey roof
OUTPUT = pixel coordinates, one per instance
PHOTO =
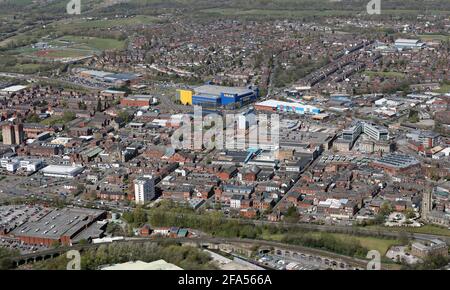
(217, 90)
(65, 222)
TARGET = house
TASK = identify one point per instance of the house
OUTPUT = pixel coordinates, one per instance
(249, 213)
(235, 201)
(145, 231)
(227, 173)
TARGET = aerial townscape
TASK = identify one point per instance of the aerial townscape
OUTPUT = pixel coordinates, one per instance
(224, 135)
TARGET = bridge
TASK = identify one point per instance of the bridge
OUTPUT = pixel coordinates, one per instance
(243, 247)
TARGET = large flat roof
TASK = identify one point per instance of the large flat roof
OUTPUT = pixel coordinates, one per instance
(13, 89)
(57, 223)
(217, 90)
(408, 41)
(275, 103)
(62, 169)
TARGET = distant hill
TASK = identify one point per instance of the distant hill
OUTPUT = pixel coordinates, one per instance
(35, 9)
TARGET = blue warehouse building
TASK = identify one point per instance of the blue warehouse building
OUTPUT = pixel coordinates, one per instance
(212, 95)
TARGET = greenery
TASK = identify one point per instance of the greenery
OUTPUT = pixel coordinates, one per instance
(65, 118)
(5, 255)
(186, 257)
(433, 262)
(349, 247)
(214, 223)
(413, 116)
(137, 217)
(426, 229)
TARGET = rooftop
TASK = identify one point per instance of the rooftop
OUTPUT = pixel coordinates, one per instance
(217, 90)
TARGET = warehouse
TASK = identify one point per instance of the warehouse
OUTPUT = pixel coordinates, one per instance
(65, 226)
(12, 90)
(64, 171)
(408, 44)
(396, 163)
(111, 77)
(212, 95)
(273, 106)
(137, 101)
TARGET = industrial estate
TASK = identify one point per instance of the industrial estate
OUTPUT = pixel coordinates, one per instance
(324, 135)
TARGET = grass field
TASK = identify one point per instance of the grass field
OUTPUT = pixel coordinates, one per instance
(70, 46)
(444, 89)
(89, 43)
(427, 229)
(370, 243)
(431, 37)
(388, 74)
(106, 23)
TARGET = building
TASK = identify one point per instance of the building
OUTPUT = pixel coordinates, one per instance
(113, 93)
(137, 101)
(212, 95)
(396, 163)
(63, 171)
(65, 226)
(431, 248)
(120, 78)
(185, 96)
(9, 138)
(352, 133)
(274, 106)
(13, 134)
(144, 189)
(45, 149)
(428, 139)
(403, 44)
(12, 90)
(375, 132)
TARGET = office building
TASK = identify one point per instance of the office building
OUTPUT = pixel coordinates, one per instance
(374, 132)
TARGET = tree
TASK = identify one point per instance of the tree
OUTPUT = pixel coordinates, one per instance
(410, 213)
(386, 209)
(413, 116)
(291, 214)
(33, 118)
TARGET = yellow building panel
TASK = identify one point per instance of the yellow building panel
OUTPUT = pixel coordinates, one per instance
(185, 97)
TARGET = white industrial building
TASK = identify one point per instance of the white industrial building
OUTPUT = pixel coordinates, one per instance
(63, 171)
(29, 165)
(402, 44)
(12, 90)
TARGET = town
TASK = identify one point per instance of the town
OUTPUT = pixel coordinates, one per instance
(251, 138)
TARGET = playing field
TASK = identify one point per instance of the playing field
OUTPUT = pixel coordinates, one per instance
(70, 47)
